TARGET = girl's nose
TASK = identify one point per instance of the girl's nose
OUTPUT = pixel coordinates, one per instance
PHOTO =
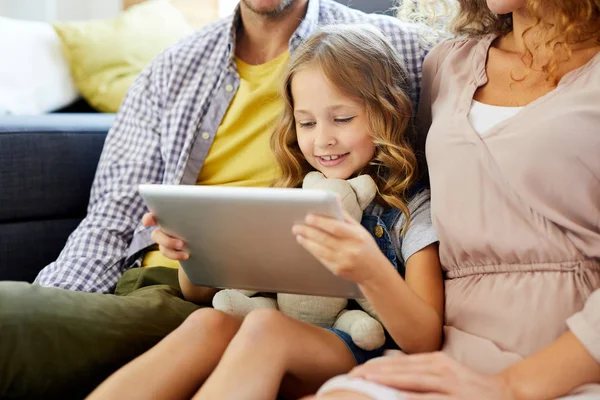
(324, 139)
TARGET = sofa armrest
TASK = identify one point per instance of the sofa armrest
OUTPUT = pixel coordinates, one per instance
(59, 122)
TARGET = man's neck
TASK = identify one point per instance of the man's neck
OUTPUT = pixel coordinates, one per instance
(262, 38)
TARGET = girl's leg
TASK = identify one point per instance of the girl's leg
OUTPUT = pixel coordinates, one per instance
(176, 367)
(270, 346)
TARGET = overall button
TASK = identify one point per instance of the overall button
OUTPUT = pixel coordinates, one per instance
(378, 231)
(229, 88)
(206, 136)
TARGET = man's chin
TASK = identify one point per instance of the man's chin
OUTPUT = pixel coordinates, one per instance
(268, 8)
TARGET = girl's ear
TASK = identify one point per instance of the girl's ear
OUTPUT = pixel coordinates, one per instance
(365, 188)
(311, 179)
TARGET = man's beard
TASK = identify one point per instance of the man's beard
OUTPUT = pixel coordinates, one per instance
(283, 6)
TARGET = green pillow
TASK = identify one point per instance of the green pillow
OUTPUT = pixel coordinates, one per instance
(105, 56)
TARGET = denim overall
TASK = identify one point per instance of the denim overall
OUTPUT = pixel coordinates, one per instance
(380, 228)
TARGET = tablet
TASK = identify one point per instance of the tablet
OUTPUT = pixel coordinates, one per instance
(241, 237)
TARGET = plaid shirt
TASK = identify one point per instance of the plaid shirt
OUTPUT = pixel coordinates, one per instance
(164, 130)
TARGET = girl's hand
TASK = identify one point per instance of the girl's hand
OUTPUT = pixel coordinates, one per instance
(171, 247)
(346, 248)
(433, 376)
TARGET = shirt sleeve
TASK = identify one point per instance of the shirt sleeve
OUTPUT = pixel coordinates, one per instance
(585, 325)
(94, 256)
(420, 232)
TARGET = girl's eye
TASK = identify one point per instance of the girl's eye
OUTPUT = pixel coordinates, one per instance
(306, 124)
(343, 120)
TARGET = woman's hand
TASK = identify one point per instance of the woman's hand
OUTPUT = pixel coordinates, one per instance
(433, 376)
(346, 248)
(171, 247)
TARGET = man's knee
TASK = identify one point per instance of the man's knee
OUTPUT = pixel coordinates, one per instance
(17, 300)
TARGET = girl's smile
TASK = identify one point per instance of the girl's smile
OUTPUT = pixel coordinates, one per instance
(332, 160)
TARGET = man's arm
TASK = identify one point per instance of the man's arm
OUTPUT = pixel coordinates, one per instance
(93, 257)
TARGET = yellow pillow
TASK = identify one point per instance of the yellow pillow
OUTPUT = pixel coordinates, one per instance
(105, 56)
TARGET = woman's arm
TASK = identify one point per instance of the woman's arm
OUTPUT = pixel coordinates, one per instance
(552, 372)
(569, 362)
(411, 309)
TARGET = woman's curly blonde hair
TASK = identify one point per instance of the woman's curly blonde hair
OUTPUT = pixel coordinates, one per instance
(357, 60)
(559, 24)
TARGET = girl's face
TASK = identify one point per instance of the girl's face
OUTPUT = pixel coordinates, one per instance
(505, 6)
(332, 128)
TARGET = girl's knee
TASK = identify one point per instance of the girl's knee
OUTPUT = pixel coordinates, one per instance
(209, 319)
(264, 325)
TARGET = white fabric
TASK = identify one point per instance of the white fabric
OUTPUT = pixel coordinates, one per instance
(34, 75)
(483, 117)
(344, 383)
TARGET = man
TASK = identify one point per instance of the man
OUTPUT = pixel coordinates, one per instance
(202, 112)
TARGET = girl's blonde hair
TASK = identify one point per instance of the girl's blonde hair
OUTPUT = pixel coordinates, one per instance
(572, 22)
(357, 60)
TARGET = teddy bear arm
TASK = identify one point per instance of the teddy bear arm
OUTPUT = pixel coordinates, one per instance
(237, 303)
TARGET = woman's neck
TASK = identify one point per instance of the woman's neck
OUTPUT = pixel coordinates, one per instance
(528, 39)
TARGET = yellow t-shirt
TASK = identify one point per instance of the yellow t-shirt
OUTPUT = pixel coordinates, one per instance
(240, 154)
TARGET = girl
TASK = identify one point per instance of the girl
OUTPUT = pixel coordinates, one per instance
(513, 114)
(346, 113)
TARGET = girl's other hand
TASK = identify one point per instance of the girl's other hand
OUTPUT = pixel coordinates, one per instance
(171, 247)
(345, 247)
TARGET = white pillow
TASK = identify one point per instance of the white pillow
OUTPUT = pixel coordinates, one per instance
(34, 75)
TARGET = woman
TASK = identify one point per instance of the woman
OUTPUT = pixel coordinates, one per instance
(513, 115)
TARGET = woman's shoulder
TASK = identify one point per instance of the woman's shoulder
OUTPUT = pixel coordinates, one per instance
(454, 51)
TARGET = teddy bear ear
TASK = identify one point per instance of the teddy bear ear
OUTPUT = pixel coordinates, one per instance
(311, 179)
(365, 188)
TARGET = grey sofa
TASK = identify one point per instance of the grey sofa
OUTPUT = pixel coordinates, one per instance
(47, 164)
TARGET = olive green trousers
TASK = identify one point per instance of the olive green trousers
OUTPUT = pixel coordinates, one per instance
(60, 344)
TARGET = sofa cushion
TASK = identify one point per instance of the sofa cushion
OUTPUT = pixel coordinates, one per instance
(28, 246)
(106, 56)
(34, 75)
(46, 171)
(47, 165)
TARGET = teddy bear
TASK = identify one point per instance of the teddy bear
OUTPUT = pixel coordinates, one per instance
(328, 312)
